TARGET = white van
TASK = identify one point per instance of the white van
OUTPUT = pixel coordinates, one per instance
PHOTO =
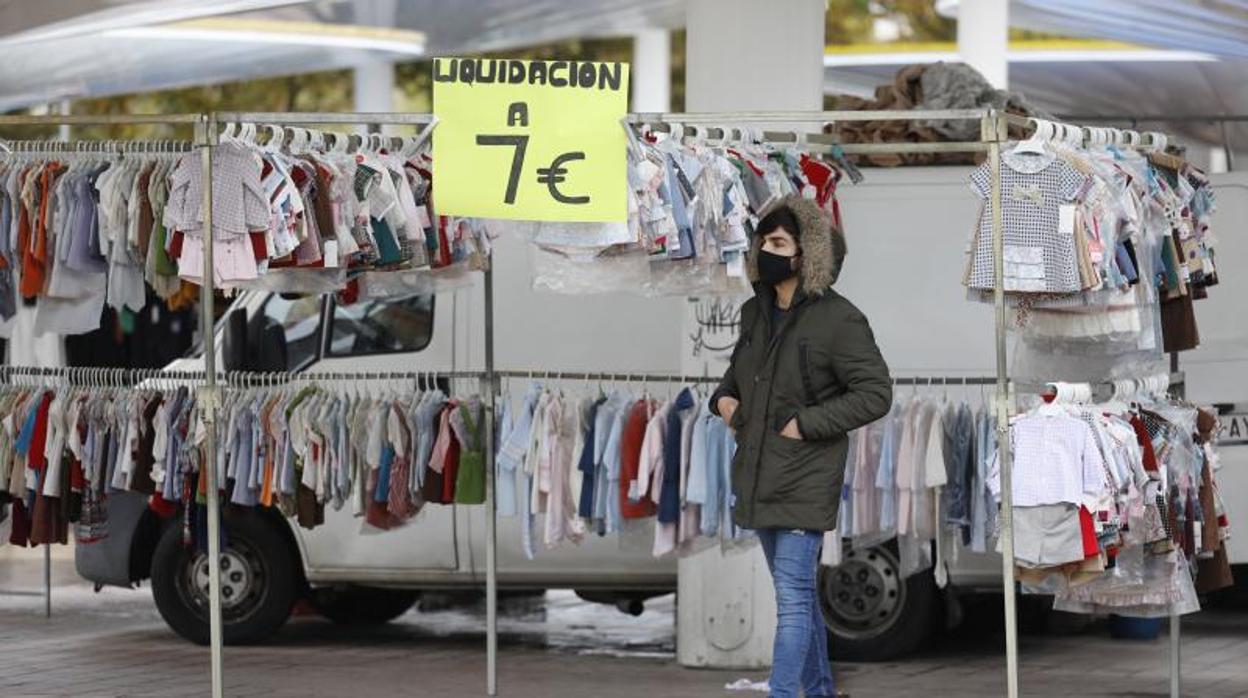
(905, 280)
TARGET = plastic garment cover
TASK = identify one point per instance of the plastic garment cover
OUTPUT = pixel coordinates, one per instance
(298, 281)
(1140, 585)
(384, 284)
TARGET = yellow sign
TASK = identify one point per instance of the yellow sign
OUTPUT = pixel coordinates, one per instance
(530, 140)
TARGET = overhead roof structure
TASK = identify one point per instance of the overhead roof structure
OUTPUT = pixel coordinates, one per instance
(1172, 56)
(65, 49)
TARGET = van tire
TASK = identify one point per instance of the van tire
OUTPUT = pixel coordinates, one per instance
(259, 581)
(871, 612)
(363, 606)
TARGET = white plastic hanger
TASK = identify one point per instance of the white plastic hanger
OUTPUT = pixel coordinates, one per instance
(1074, 136)
(1035, 145)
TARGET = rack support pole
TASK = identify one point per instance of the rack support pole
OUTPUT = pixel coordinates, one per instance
(491, 507)
(208, 406)
(1176, 661)
(47, 580)
(994, 131)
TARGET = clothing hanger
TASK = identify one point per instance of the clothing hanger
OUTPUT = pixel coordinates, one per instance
(1035, 145)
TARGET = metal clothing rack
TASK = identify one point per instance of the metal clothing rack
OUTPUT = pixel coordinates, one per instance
(993, 133)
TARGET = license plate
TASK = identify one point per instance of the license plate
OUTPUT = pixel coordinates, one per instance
(1234, 420)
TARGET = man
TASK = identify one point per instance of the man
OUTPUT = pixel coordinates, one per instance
(805, 372)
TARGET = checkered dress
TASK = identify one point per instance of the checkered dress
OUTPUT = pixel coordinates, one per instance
(1038, 258)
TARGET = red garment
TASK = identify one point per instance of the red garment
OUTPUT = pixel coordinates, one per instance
(162, 507)
(175, 245)
(377, 514)
(1090, 546)
(450, 470)
(259, 248)
(630, 461)
(19, 534)
(822, 176)
(1146, 443)
(39, 439)
(444, 244)
(77, 479)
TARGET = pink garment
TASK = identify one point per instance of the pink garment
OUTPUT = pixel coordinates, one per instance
(650, 467)
(690, 514)
(906, 468)
(442, 445)
(562, 523)
(928, 455)
(866, 498)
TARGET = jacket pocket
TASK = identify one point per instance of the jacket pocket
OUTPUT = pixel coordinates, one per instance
(793, 471)
(804, 367)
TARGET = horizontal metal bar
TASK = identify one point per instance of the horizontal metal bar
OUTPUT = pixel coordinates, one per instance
(905, 148)
(301, 118)
(828, 142)
(612, 377)
(813, 116)
(97, 120)
(945, 380)
(1156, 118)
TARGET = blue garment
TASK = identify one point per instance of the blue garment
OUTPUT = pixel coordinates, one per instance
(614, 519)
(959, 452)
(680, 214)
(718, 462)
(27, 433)
(886, 477)
(604, 420)
(800, 655)
(669, 497)
(244, 448)
(511, 454)
(729, 525)
(697, 484)
(1124, 263)
(587, 466)
(382, 493)
(504, 484)
(982, 503)
(845, 515)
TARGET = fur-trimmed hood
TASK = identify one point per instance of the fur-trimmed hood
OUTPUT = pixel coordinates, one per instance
(823, 246)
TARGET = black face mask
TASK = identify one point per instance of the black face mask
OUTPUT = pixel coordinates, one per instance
(774, 268)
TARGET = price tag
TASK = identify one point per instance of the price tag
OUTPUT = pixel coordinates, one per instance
(1066, 219)
(530, 140)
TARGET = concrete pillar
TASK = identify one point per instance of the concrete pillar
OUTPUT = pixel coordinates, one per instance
(749, 55)
(984, 38)
(374, 78)
(741, 55)
(374, 87)
(651, 72)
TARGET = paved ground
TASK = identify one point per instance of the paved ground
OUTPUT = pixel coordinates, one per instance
(114, 644)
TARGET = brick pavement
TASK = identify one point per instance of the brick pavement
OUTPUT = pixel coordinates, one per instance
(114, 644)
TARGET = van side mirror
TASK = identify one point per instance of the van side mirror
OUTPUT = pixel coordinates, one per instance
(234, 349)
(267, 351)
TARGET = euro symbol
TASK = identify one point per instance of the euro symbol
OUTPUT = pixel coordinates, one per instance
(554, 175)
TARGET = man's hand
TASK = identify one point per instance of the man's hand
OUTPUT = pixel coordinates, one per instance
(727, 407)
(791, 431)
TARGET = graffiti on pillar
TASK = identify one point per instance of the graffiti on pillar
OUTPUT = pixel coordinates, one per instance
(711, 328)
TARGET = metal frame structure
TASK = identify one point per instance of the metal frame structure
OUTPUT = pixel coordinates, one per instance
(993, 133)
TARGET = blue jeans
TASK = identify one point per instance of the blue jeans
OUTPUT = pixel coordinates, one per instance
(801, 647)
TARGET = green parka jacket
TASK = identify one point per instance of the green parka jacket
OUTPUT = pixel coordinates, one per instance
(822, 367)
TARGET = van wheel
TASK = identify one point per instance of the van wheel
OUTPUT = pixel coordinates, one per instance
(872, 613)
(258, 581)
(357, 605)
